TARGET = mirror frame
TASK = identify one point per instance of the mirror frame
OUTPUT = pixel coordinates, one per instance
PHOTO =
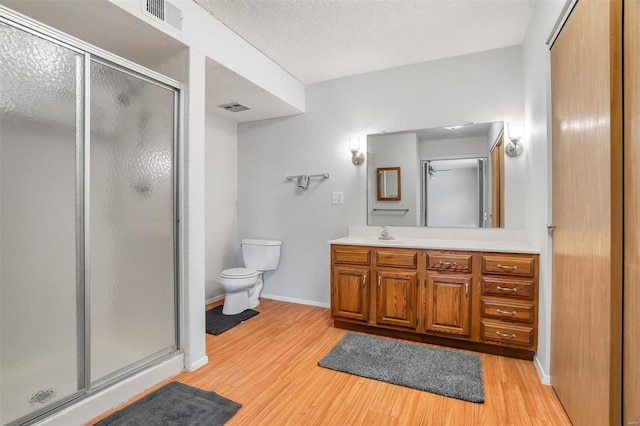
(379, 172)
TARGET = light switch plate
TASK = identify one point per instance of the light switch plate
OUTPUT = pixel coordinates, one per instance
(337, 198)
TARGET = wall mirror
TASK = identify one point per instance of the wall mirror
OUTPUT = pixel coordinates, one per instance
(389, 184)
(451, 177)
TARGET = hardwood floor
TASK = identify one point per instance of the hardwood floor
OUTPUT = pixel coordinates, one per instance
(269, 365)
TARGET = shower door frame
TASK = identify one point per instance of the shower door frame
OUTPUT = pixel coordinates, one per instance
(92, 53)
(482, 187)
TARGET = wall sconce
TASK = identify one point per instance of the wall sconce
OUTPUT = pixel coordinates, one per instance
(514, 148)
(357, 157)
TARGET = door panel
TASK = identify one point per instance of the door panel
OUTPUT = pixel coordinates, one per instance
(350, 298)
(397, 298)
(448, 304)
(587, 213)
(41, 323)
(132, 271)
(631, 368)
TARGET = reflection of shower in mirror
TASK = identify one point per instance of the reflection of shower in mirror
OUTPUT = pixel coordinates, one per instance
(432, 171)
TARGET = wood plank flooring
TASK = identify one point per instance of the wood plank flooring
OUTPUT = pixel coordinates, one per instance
(269, 365)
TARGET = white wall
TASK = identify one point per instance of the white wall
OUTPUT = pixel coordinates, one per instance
(537, 142)
(221, 201)
(431, 94)
(394, 151)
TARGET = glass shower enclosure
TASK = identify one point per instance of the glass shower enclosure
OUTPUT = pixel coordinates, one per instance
(88, 269)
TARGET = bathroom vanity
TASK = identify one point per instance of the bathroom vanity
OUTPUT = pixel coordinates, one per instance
(481, 297)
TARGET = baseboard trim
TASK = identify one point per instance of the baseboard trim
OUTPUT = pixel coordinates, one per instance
(214, 299)
(294, 300)
(197, 364)
(544, 377)
(93, 406)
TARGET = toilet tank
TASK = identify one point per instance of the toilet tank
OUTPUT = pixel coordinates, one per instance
(261, 255)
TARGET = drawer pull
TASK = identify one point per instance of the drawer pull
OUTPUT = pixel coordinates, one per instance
(501, 312)
(513, 290)
(507, 267)
(510, 336)
(448, 264)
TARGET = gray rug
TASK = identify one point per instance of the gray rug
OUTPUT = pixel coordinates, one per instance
(175, 404)
(440, 371)
(218, 323)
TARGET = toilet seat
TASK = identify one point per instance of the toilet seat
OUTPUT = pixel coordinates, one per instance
(239, 273)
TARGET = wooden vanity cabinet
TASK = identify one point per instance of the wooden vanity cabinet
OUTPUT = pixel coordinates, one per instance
(397, 287)
(509, 307)
(350, 293)
(472, 300)
(449, 304)
(397, 298)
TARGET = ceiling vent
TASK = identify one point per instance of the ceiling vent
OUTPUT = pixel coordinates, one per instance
(235, 107)
(164, 11)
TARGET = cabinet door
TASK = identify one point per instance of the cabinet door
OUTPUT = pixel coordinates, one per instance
(350, 293)
(448, 304)
(397, 298)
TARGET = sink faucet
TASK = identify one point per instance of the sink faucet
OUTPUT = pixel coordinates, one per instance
(385, 234)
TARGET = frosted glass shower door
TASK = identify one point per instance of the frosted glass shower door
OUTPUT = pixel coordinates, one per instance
(132, 269)
(41, 322)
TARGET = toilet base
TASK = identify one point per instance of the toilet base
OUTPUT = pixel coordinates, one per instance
(235, 303)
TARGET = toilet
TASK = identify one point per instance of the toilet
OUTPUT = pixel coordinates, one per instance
(242, 286)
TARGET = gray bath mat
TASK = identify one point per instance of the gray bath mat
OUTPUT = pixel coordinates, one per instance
(440, 371)
(218, 323)
(175, 404)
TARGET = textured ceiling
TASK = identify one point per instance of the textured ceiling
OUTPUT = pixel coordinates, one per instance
(317, 40)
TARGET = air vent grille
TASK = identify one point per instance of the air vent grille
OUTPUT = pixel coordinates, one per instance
(164, 11)
(173, 16)
(156, 8)
(234, 107)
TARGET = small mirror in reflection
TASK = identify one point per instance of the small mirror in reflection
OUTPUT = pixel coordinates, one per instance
(389, 186)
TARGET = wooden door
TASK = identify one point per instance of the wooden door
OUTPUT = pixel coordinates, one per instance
(497, 184)
(448, 304)
(631, 337)
(587, 213)
(350, 293)
(397, 300)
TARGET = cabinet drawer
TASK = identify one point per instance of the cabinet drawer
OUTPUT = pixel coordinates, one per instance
(522, 289)
(352, 256)
(407, 259)
(507, 311)
(449, 262)
(522, 266)
(515, 334)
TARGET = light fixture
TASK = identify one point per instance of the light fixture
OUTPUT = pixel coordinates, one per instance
(357, 157)
(514, 132)
(459, 126)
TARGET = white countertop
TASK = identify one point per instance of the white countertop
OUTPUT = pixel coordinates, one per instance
(440, 244)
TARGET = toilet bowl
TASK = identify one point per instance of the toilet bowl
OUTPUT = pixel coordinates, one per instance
(242, 286)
